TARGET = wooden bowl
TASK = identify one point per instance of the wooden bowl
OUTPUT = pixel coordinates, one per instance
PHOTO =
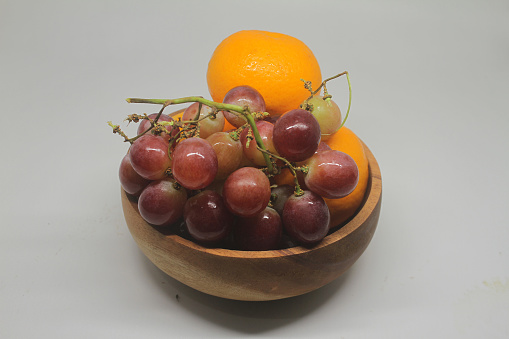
(261, 275)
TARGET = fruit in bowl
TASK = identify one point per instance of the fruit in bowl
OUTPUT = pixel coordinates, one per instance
(241, 199)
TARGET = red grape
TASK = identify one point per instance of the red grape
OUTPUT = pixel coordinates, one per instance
(332, 174)
(322, 146)
(296, 135)
(162, 202)
(194, 163)
(327, 113)
(207, 218)
(252, 153)
(245, 162)
(246, 191)
(208, 125)
(131, 181)
(306, 218)
(272, 118)
(260, 232)
(149, 156)
(217, 186)
(228, 152)
(280, 194)
(243, 96)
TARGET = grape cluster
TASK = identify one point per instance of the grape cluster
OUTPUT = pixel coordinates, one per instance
(219, 184)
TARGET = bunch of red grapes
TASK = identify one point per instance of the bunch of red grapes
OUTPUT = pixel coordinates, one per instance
(216, 187)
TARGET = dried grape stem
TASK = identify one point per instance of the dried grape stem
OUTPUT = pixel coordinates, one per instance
(117, 130)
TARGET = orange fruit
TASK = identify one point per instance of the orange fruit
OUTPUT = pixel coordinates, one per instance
(345, 140)
(228, 126)
(272, 63)
(342, 209)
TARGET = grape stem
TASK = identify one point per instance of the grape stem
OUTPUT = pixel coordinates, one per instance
(244, 111)
(197, 116)
(298, 191)
(168, 102)
(259, 142)
(323, 84)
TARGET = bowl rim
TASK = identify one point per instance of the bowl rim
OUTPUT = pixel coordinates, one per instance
(371, 200)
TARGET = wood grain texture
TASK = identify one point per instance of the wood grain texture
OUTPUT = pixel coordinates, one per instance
(261, 275)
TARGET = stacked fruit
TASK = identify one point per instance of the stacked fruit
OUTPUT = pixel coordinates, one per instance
(238, 173)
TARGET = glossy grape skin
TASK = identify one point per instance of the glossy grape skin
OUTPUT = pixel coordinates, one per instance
(228, 151)
(327, 113)
(207, 219)
(265, 129)
(306, 218)
(272, 118)
(149, 156)
(208, 125)
(243, 96)
(131, 181)
(296, 135)
(332, 174)
(322, 146)
(246, 191)
(194, 163)
(280, 195)
(260, 232)
(161, 203)
(145, 124)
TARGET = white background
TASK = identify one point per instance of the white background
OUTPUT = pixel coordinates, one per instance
(430, 98)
